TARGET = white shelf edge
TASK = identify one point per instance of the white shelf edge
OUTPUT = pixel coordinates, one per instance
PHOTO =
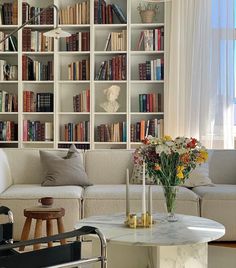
(66, 53)
(9, 113)
(74, 25)
(8, 81)
(7, 53)
(110, 81)
(38, 82)
(147, 25)
(104, 113)
(41, 53)
(75, 142)
(146, 81)
(37, 113)
(141, 52)
(105, 52)
(113, 25)
(38, 142)
(148, 113)
(73, 81)
(74, 113)
(108, 142)
(9, 142)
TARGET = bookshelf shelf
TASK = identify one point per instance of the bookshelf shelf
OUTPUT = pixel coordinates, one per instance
(146, 25)
(102, 43)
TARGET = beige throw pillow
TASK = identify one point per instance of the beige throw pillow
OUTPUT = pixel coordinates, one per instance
(137, 176)
(68, 170)
(199, 177)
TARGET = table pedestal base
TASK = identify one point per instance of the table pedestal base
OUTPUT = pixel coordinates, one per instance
(138, 256)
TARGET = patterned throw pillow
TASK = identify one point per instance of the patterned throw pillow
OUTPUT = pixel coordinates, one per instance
(137, 176)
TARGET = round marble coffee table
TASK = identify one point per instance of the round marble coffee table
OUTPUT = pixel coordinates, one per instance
(165, 244)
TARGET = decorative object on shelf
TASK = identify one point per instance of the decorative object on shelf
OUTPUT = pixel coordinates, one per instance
(147, 11)
(56, 32)
(170, 163)
(112, 93)
(132, 219)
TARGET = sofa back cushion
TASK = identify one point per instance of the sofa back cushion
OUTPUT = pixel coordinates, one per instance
(108, 166)
(25, 164)
(222, 166)
(5, 172)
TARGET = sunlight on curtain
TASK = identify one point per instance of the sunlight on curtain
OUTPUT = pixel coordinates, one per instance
(200, 71)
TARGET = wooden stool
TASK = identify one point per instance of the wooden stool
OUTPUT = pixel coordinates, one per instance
(40, 216)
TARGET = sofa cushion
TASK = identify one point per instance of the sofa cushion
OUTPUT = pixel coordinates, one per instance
(68, 170)
(218, 203)
(98, 197)
(5, 173)
(29, 191)
(108, 166)
(25, 164)
(20, 196)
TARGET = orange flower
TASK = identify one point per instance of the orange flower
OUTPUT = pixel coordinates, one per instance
(185, 158)
(157, 167)
(192, 143)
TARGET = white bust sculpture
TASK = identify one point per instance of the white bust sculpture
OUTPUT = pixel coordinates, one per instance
(112, 93)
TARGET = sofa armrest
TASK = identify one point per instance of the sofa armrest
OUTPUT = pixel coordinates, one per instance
(5, 172)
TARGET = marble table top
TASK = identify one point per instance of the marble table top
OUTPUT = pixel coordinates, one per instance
(187, 230)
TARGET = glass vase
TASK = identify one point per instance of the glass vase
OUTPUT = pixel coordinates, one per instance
(170, 201)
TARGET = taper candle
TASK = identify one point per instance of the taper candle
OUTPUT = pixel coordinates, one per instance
(144, 192)
(150, 200)
(127, 193)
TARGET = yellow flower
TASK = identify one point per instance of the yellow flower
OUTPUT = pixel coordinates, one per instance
(167, 138)
(202, 157)
(180, 170)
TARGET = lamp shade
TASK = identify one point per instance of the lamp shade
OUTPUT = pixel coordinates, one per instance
(57, 33)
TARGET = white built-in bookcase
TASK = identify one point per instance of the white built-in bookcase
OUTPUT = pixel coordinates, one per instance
(64, 89)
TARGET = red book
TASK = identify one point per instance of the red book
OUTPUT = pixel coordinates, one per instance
(150, 102)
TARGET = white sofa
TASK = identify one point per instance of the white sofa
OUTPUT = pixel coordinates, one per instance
(21, 176)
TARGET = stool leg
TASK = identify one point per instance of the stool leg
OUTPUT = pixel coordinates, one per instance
(49, 231)
(38, 232)
(61, 229)
(25, 231)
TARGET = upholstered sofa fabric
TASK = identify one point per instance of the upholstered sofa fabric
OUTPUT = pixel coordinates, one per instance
(218, 203)
(5, 172)
(107, 199)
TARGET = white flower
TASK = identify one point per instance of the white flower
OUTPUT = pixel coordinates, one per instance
(162, 148)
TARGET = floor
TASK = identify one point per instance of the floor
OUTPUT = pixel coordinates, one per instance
(222, 255)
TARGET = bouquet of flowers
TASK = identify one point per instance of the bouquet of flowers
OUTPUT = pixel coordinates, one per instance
(170, 161)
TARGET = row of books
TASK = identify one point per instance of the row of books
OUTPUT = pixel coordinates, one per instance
(8, 131)
(76, 14)
(114, 69)
(35, 70)
(46, 17)
(114, 132)
(150, 103)
(8, 102)
(116, 41)
(78, 42)
(79, 70)
(104, 13)
(8, 13)
(78, 146)
(151, 70)
(37, 131)
(36, 41)
(81, 102)
(10, 44)
(151, 40)
(77, 131)
(37, 102)
(142, 129)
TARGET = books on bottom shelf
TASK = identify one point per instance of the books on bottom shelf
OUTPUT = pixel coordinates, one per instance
(77, 131)
(37, 131)
(140, 130)
(8, 131)
(114, 132)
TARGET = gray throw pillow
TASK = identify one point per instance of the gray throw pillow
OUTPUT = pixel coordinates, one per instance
(68, 170)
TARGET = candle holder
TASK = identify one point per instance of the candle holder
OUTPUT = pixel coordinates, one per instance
(143, 221)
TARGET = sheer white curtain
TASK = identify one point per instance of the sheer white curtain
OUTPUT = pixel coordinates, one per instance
(200, 71)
